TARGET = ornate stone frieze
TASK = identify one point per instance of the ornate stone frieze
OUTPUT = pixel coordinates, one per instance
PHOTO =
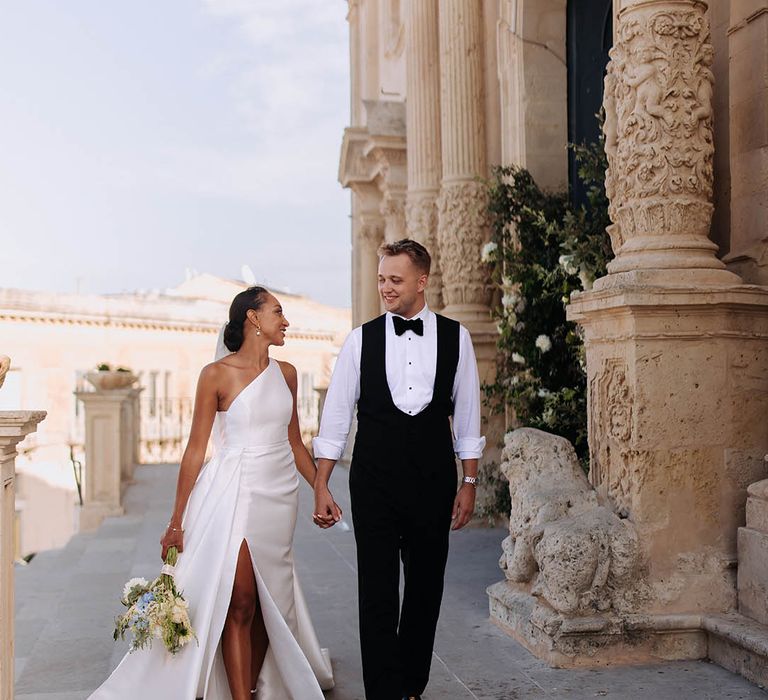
(658, 137)
(462, 230)
(611, 408)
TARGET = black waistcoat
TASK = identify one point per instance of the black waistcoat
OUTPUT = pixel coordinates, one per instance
(389, 440)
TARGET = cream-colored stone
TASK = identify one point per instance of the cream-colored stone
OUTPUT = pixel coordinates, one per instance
(677, 379)
(5, 365)
(658, 100)
(14, 427)
(423, 135)
(105, 451)
(753, 555)
(577, 555)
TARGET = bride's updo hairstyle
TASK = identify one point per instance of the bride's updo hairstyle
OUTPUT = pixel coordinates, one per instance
(234, 332)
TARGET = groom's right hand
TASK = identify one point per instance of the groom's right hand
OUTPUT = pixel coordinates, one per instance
(327, 512)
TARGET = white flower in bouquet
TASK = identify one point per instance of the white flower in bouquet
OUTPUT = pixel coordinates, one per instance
(134, 583)
(518, 358)
(488, 252)
(543, 343)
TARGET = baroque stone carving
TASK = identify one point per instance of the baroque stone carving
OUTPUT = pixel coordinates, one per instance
(462, 230)
(421, 225)
(611, 407)
(5, 365)
(658, 136)
(578, 556)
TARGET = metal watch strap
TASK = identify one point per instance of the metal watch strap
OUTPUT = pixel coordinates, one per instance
(470, 480)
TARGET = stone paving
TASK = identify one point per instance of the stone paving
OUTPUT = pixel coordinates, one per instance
(66, 601)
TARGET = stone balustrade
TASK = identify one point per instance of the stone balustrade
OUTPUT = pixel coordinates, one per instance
(14, 427)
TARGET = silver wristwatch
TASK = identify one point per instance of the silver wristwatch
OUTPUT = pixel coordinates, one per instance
(470, 480)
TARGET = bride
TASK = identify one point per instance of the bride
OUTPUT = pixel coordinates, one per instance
(234, 520)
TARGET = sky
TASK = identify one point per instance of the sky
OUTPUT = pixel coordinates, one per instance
(141, 139)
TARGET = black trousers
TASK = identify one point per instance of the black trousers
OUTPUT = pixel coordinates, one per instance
(399, 520)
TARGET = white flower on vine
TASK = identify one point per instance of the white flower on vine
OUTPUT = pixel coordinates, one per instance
(499, 328)
(511, 319)
(509, 300)
(543, 393)
(518, 358)
(507, 282)
(543, 343)
(520, 306)
(566, 262)
(488, 252)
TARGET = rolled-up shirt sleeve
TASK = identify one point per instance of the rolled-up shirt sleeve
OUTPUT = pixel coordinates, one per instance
(340, 401)
(468, 442)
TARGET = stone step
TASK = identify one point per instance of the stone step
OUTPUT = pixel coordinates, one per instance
(739, 644)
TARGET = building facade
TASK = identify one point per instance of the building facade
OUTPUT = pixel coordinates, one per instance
(166, 338)
(676, 334)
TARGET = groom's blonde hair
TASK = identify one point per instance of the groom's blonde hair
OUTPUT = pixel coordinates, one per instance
(416, 252)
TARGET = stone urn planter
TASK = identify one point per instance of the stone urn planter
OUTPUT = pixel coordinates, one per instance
(106, 380)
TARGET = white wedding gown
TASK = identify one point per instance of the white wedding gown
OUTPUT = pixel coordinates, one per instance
(247, 491)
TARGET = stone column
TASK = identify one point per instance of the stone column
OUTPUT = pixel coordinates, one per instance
(659, 143)
(104, 454)
(748, 106)
(370, 236)
(423, 134)
(462, 218)
(463, 225)
(14, 427)
(676, 346)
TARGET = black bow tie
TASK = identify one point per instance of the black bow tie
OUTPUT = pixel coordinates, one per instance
(415, 324)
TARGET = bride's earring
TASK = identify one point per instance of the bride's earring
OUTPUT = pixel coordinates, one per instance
(258, 330)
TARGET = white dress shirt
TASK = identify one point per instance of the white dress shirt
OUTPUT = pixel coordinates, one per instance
(411, 365)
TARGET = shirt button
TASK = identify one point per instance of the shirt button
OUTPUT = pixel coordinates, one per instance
(410, 411)
(410, 388)
(410, 363)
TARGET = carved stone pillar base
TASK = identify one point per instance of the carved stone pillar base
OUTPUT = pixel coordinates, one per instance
(603, 639)
(678, 395)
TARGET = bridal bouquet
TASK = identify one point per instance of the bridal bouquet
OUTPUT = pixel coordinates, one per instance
(155, 611)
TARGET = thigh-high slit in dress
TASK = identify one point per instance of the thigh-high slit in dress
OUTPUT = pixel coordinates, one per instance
(247, 492)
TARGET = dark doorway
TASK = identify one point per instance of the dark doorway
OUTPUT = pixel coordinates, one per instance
(589, 36)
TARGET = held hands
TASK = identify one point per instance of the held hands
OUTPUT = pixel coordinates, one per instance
(173, 537)
(327, 513)
(463, 506)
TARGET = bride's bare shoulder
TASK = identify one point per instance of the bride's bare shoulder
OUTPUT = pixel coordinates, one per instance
(213, 373)
(289, 371)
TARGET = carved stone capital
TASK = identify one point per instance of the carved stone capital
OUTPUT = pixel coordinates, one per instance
(658, 139)
(462, 230)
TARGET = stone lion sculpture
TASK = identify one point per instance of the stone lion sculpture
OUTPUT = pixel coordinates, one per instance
(5, 365)
(577, 555)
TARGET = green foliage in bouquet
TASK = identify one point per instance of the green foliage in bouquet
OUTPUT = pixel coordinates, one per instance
(543, 248)
(156, 610)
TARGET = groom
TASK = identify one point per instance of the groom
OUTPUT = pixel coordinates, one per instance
(408, 371)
